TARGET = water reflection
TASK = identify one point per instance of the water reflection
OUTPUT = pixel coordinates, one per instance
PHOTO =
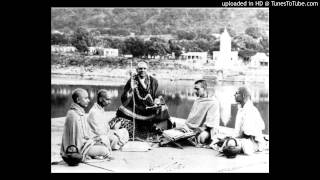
(61, 97)
(179, 97)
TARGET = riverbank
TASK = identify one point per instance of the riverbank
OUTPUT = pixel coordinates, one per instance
(118, 76)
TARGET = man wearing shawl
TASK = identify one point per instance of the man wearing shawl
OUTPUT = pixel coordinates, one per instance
(99, 122)
(141, 90)
(249, 124)
(204, 117)
(77, 132)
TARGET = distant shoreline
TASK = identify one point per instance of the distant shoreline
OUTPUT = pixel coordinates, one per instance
(77, 79)
(115, 76)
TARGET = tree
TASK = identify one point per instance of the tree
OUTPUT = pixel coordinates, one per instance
(208, 37)
(246, 54)
(181, 34)
(262, 15)
(151, 50)
(231, 32)
(135, 46)
(81, 40)
(253, 32)
(175, 48)
(264, 42)
(59, 39)
(156, 46)
(244, 41)
(216, 46)
(118, 44)
(203, 44)
(254, 46)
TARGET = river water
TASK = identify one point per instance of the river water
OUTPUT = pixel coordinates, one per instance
(179, 96)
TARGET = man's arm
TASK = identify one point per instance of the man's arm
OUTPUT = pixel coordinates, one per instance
(213, 116)
(155, 85)
(253, 123)
(127, 92)
(94, 125)
(72, 136)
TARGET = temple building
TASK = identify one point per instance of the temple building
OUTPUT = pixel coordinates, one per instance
(225, 57)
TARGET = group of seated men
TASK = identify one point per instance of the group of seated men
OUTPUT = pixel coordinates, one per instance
(96, 136)
(91, 133)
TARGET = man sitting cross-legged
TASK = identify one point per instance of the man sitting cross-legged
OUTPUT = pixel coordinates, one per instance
(77, 132)
(99, 122)
(204, 117)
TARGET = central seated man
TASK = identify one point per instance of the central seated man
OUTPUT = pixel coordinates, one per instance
(141, 102)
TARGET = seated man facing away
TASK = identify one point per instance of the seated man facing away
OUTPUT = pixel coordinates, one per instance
(77, 132)
(204, 117)
(99, 122)
(249, 124)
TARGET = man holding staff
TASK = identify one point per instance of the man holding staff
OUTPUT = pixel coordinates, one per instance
(141, 102)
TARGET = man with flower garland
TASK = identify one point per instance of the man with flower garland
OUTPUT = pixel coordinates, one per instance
(141, 102)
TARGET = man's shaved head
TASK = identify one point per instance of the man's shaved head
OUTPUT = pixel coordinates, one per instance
(103, 97)
(142, 69)
(80, 97)
(142, 64)
(103, 93)
(203, 83)
(76, 93)
(244, 91)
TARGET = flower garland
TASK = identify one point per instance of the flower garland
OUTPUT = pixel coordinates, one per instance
(148, 87)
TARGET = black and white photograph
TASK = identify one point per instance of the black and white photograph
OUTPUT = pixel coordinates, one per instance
(159, 90)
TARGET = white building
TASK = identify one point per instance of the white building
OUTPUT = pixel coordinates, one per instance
(259, 60)
(128, 56)
(106, 52)
(93, 50)
(225, 57)
(195, 57)
(57, 48)
(109, 52)
(56, 32)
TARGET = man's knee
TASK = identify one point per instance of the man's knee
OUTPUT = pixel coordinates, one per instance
(203, 137)
(114, 142)
(98, 150)
(247, 146)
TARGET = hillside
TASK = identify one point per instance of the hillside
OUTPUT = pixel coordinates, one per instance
(156, 21)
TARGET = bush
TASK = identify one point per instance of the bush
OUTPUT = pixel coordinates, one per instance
(181, 34)
(81, 40)
(254, 32)
(59, 39)
(231, 32)
(114, 32)
(246, 54)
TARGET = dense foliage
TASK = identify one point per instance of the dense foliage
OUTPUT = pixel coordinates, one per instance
(191, 29)
(152, 21)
